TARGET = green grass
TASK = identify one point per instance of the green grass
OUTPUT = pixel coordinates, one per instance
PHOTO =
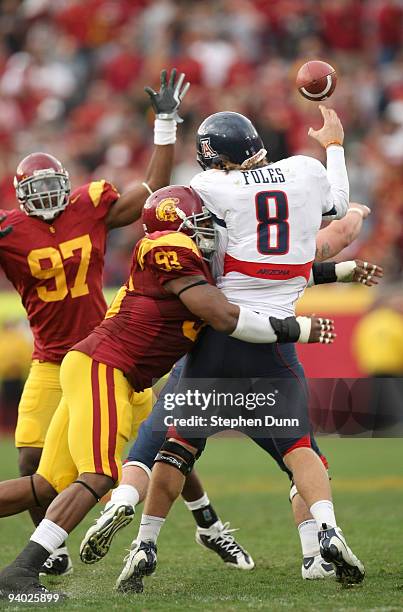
(247, 489)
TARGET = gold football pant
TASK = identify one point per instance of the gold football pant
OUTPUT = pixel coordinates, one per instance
(95, 418)
(39, 401)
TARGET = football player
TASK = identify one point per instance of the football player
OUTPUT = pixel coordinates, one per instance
(211, 532)
(149, 326)
(55, 259)
(267, 217)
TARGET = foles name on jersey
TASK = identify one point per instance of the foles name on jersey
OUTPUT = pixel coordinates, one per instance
(263, 175)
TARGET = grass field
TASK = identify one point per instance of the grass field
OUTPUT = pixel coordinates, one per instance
(248, 490)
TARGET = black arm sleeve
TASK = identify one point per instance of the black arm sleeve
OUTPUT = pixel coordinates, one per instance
(286, 330)
(324, 273)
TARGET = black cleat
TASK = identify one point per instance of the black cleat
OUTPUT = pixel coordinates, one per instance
(333, 549)
(24, 583)
(57, 564)
(141, 561)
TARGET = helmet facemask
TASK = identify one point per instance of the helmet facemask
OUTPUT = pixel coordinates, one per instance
(45, 194)
(199, 226)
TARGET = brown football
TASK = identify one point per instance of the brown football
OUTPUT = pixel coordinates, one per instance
(316, 80)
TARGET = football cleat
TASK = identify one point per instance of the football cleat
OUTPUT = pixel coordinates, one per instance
(98, 539)
(141, 561)
(23, 581)
(334, 550)
(57, 564)
(219, 538)
(315, 568)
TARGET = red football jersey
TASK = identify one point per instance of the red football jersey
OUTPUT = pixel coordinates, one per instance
(57, 268)
(147, 329)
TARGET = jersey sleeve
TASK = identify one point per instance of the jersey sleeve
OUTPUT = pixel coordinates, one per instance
(332, 182)
(212, 192)
(169, 259)
(173, 262)
(8, 219)
(101, 196)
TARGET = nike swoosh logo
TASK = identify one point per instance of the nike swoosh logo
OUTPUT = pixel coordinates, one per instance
(308, 562)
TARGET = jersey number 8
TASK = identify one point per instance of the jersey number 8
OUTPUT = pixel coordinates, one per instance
(273, 230)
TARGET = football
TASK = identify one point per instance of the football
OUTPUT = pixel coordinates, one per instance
(316, 80)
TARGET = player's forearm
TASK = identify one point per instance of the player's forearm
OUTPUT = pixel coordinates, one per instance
(160, 167)
(338, 235)
(338, 179)
(332, 272)
(262, 329)
(130, 205)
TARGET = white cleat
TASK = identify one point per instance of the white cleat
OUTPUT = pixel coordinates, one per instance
(219, 538)
(98, 539)
(333, 549)
(141, 561)
(315, 568)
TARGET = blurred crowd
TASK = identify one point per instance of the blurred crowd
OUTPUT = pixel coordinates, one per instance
(72, 74)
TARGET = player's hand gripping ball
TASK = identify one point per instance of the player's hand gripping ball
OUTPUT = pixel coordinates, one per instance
(316, 80)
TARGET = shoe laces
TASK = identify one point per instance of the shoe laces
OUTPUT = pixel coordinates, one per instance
(51, 559)
(40, 586)
(226, 540)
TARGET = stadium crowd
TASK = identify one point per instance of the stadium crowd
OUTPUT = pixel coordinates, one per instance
(72, 75)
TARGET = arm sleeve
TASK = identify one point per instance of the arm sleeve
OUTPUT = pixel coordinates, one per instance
(170, 262)
(332, 182)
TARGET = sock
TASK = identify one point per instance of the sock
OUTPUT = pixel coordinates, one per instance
(32, 557)
(49, 535)
(150, 527)
(126, 494)
(323, 512)
(308, 534)
(203, 512)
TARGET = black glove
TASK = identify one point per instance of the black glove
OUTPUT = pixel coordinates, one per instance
(4, 232)
(166, 102)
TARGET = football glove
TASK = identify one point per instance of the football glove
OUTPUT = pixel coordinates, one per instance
(166, 102)
(6, 230)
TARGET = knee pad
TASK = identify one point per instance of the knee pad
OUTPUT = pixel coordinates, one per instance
(177, 456)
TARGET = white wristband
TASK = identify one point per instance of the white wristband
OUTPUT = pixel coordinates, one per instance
(305, 324)
(254, 327)
(164, 131)
(345, 270)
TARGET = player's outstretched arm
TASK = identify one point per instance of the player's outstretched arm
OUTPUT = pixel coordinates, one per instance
(340, 234)
(165, 103)
(354, 271)
(334, 182)
(210, 304)
(4, 231)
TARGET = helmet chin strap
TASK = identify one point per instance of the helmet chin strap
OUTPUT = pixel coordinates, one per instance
(255, 159)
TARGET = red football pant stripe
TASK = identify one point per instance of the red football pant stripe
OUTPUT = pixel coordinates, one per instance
(96, 418)
(113, 422)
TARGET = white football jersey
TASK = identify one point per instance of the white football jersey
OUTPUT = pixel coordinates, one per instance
(267, 221)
